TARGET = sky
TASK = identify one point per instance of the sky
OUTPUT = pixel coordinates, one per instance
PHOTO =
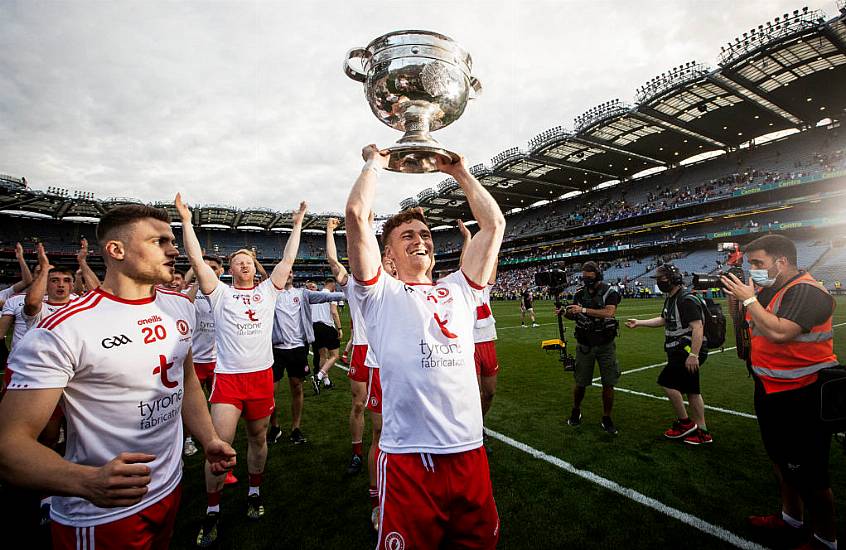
(246, 104)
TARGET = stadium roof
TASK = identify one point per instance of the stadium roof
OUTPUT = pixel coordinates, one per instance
(786, 73)
(58, 204)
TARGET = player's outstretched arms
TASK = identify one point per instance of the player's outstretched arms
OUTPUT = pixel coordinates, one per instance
(88, 276)
(206, 276)
(26, 274)
(280, 273)
(362, 246)
(35, 293)
(339, 272)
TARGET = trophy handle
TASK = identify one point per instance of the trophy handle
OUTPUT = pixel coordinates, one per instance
(477, 87)
(351, 72)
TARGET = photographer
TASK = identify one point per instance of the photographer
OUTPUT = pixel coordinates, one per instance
(684, 341)
(595, 304)
(790, 322)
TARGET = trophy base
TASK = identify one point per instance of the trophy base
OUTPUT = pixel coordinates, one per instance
(416, 158)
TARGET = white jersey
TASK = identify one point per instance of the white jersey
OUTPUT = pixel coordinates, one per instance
(47, 309)
(7, 293)
(243, 326)
(359, 328)
(423, 338)
(287, 322)
(204, 350)
(484, 329)
(322, 313)
(120, 364)
(14, 308)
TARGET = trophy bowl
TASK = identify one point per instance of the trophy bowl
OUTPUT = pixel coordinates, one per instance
(416, 82)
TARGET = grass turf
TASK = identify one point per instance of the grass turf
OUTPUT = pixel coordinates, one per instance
(310, 503)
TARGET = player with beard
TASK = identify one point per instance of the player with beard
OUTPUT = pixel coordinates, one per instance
(124, 384)
(243, 325)
(422, 335)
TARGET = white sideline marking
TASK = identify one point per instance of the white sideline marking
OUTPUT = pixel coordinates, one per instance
(664, 398)
(647, 367)
(640, 498)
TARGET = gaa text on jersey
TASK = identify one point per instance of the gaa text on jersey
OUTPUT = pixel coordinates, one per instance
(115, 341)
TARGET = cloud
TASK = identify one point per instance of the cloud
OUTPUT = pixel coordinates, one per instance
(246, 103)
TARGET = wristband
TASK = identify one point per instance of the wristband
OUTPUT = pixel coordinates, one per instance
(748, 301)
(584, 310)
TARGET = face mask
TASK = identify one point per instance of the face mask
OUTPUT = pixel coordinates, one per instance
(761, 277)
(665, 286)
(589, 281)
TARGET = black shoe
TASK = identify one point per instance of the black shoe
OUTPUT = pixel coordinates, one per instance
(608, 425)
(575, 418)
(329, 386)
(274, 434)
(208, 531)
(255, 509)
(297, 437)
(355, 465)
(315, 383)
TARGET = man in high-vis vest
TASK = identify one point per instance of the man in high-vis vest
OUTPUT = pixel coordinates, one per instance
(790, 323)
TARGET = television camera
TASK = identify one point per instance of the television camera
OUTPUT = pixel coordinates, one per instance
(556, 281)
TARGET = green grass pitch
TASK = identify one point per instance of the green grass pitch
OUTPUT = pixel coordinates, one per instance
(310, 503)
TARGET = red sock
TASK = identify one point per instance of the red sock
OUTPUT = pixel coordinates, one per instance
(357, 448)
(255, 479)
(214, 498)
(374, 497)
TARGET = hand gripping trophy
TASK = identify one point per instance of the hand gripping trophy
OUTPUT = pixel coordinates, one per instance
(416, 82)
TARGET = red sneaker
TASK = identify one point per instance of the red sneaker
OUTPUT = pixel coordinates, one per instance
(772, 521)
(681, 429)
(699, 437)
(230, 478)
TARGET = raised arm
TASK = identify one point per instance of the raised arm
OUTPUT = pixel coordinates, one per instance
(35, 294)
(481, 256)
(338, 270)
(88, 275)
(205, 275)
(362, 246)
(280, 273)
(26, 274)
(466, 237)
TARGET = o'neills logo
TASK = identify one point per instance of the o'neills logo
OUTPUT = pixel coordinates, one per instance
(149, 320)
(159, 411)
(435, 355)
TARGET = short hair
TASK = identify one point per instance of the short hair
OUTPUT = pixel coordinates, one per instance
(591, 267)
(63, 269)
(246, 251)
(329, 280)
(210, 258)
(400, 218)
(774, 245)
(179, 272)
(127, 214)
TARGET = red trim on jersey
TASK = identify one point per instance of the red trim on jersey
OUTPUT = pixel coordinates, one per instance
(246, 288)
(54, 320)
(174, 293)
(138, 302)
(369, 282)
(77, 303)
(471, 283)
(419, 284)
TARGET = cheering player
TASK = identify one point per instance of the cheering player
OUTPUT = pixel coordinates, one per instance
(243, 386)
(124, 385)
(422, 335)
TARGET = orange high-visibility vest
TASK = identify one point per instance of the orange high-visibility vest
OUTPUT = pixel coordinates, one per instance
(795, 364)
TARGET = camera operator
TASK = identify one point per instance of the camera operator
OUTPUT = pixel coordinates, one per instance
(790, 321)
(595, 304)
(684, 341)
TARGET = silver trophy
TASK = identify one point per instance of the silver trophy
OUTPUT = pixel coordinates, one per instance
(416, 82)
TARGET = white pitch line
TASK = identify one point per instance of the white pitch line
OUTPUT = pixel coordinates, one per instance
(721, 350)
(695, 522)
(664, 398)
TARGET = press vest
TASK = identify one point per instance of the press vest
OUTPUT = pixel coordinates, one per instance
(677, 336)
(795, 364)
(594, 331)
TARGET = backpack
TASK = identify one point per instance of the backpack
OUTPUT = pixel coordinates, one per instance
(714, 322)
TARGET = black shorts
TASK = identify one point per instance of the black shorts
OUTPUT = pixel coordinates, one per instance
(325, 337)
(294, 360)
(793, 435)
(676, 376)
